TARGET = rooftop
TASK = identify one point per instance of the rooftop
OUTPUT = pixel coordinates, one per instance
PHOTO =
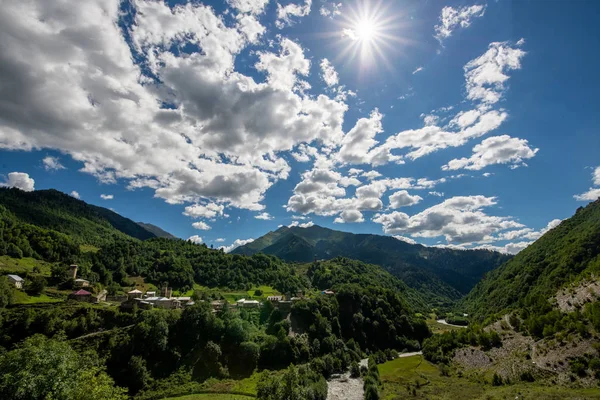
(15, 278)
(81, 292)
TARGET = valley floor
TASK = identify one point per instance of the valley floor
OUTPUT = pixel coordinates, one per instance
(415, 377)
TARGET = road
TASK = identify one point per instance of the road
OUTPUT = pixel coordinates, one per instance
(443, 322)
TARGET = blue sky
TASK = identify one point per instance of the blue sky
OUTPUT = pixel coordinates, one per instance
(464, 124)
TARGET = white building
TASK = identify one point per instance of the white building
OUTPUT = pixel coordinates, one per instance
(16, 280)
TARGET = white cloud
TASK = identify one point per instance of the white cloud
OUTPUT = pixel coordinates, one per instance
(371, 175)
(590, 195)
(437, 194)
(219, 240)
(264, 216)
(107, 196)
(286, 13)
(195, 239)
(52, 163)
(455, 18)
(349, 216)
(90, 100)
(405, 239)
(209, 211)
(419, 69)
(495, 150)
(249, 6)
(203, 226)
(298, 224)
(328, 73)
(486, 75)
(19, 180)
(594, 193)
(235, 244)
(331, 10)
(75, 194)
(403, 199)
(458, 219)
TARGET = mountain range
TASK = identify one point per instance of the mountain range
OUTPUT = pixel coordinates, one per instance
(438, 272)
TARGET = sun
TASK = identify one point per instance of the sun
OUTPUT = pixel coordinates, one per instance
(370, 31)
(366, 30)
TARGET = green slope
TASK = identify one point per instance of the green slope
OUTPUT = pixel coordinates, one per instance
(158, 232)
(565, 254)
(441, 272)
(85, 223)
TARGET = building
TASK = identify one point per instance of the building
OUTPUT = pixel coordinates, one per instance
(275, 299)
(184, 301)
(81, 295)
(134, 294)
(73, 271)
(100, 296)
(248, 303)
(82, 283)
(328, 292)
(217, 305)
(16, 280)
(150, 294)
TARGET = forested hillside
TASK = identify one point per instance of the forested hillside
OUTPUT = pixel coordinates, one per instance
(567, 253)
(157, 231)
(438, 272)
(85, 223)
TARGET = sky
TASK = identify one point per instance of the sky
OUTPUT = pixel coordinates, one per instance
(464, 124)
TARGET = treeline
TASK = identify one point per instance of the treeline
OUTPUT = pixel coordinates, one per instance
(182, 263)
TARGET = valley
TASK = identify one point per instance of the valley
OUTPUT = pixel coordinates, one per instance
(151, 317)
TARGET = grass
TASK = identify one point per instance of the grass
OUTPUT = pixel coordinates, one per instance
(227, 389)
(414, 377)
(9, 265)
(266, 290)
(140, 284)
(23, 298)
(88, 248)
(436, 327)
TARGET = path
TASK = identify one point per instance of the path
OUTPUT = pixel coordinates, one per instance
(443, 322)
(343, 387)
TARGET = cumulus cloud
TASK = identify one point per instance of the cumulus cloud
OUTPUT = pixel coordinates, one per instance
(203, 226)
(458, 219)
(495, 150)
(195, 239)
(249, 6)
(219, 240)
(19, 180)
(349, 216)
(75, 194)
(185, 125)
(286, 14)
(303, 225)
(436, 194)
(264, 216)
(237, 243)
(403, 199)
(455, 18)
(331, 10)
(328, 73)
(107, 196)
(208, 211)
(596, 176)
(52, 163)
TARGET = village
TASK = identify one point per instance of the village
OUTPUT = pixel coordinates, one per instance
(162, 298)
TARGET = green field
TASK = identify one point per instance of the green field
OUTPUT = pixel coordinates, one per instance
(23, 298)
(414, 377)
(9, 265)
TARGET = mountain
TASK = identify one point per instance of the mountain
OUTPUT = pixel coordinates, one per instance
(568, 253)
(85, 223)
(156, 231)
(441, 272)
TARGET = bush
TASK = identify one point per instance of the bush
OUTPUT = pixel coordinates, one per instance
(496, 380)
(354, 370)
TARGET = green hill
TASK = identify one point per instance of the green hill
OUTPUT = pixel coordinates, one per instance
(440, 272)
(158, 232)
(85, 223)
(566, 254)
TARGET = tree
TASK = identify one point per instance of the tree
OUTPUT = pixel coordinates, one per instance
(248, 356)
(13, 251)
(139, 377)
(6, 292)
(43, 368)
(36, 285)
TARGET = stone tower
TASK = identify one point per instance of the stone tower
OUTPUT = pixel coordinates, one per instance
(73, 271)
